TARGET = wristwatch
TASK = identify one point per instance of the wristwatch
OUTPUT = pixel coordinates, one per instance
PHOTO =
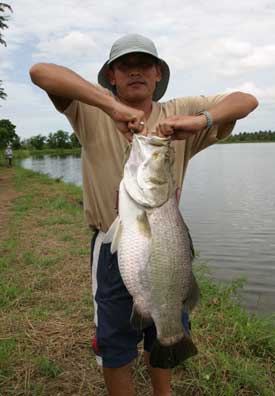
(208, 118)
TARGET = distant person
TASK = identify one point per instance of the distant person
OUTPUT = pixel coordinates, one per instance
(104, 117)
(9, 155)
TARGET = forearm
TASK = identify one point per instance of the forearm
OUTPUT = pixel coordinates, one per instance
(233, 107)
(63, 82)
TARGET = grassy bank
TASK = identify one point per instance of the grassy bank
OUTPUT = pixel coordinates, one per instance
(46, 314)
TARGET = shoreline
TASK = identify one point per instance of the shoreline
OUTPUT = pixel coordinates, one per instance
(25, 153)
(46, 312)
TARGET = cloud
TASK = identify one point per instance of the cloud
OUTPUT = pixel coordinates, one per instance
(74, 44)
(261, 57)
(209, 46)
(235, 57)
(264, 95)
(30, 110)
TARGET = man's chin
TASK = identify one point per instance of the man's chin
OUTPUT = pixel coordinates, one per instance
(138, 96)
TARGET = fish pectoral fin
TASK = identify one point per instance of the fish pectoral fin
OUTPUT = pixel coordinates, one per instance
(143, 224)
(169, 356)
(113, 235)
(193, 296)
(116, 238)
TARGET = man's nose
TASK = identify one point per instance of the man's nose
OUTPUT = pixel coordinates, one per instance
(134, 72)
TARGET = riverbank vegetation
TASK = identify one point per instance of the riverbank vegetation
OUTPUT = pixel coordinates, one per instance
(62, 140)
(251, 137)
(46, 312)
(54, 141)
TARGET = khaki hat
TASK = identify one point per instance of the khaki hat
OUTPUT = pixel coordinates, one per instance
(127, 45)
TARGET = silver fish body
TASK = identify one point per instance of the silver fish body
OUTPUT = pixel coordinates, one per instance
(155, 250)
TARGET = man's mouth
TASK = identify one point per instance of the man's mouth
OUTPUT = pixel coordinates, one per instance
(138, 82)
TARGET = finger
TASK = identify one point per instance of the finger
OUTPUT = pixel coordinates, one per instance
(144, 129)
(137, 126)
(129, 136)
(133, 126)
(158, 132)
(160, 127)
(168, 129)
(142, 125)
(165, 130)
(133, 118)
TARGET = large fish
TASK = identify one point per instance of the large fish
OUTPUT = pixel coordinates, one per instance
(155, 250)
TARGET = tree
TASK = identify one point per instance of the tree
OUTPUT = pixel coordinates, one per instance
(3, 25)
(51, 141)
(3, 20)
(74, 140)
(8, 134)
(59, 139)
(3, 95)
(37, 141)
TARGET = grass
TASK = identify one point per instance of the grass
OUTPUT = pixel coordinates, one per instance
(46, 312)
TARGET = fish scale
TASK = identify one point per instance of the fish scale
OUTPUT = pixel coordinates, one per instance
(154, 249)
(169, 280)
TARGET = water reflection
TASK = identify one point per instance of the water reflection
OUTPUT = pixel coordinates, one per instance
(65, 167)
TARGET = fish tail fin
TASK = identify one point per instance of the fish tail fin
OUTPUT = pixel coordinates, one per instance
(168, 357)
(140, 321)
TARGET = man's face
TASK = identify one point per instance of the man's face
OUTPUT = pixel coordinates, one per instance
(135, 76)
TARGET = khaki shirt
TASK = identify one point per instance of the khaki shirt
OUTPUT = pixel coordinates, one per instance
(103, 150)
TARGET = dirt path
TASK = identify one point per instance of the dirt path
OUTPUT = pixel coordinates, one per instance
(7, 195)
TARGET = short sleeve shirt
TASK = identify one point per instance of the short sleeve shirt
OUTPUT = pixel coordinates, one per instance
(104, 147)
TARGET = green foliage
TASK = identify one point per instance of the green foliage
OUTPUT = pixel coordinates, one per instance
(37, 142)
(3, 25)
(47, 367)
(3, 95)
(3, 20)
(8, 134)
(55, 141)
(74, 140)
(261, 136)
(59, 139)
(7, 347)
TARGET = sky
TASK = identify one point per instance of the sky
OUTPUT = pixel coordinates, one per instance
(212, 47)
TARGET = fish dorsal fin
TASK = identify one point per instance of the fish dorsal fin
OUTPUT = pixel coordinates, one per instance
(113, 234)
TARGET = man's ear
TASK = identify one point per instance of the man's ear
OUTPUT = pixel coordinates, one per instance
(111, 76)
(159, 73)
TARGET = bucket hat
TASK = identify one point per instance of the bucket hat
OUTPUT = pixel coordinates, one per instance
(127, 45)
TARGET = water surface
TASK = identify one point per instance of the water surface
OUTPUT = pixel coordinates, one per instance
(228, 202)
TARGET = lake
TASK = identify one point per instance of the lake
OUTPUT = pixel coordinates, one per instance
(228, 203)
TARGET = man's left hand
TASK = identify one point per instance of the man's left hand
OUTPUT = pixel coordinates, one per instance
(181, 127)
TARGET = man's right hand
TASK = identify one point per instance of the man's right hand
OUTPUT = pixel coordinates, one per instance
(128, 119)
(64, 85)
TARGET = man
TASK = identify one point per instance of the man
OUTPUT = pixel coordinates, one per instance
(9, 155)
(104, 119)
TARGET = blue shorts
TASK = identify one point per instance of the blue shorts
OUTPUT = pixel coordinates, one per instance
(115, 342)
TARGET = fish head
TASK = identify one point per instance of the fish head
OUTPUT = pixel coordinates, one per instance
(148, 176)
